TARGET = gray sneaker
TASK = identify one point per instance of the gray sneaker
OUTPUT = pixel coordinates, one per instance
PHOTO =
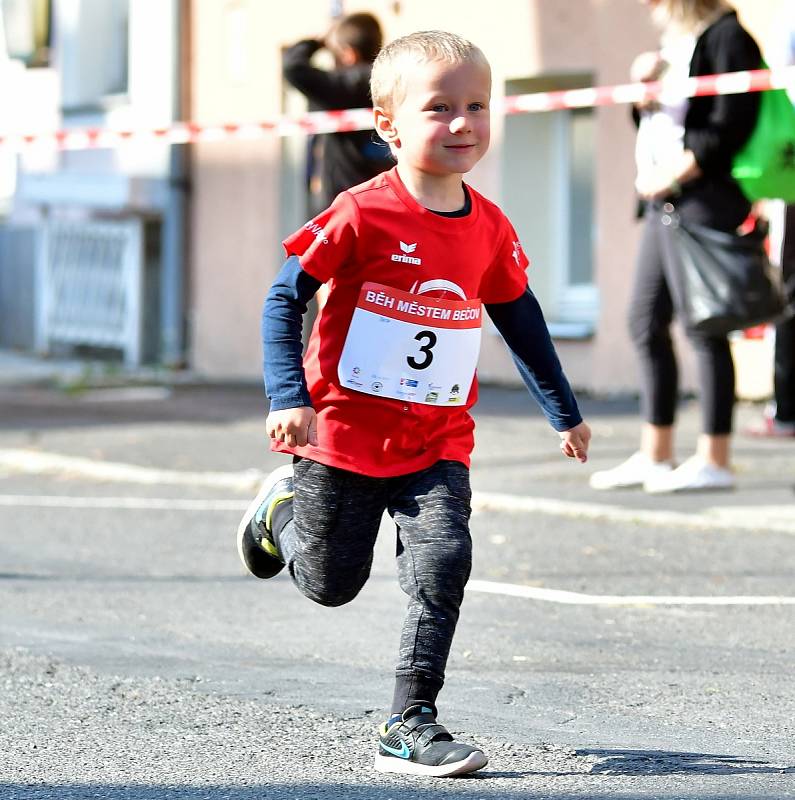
(255, 544)
(418, 745)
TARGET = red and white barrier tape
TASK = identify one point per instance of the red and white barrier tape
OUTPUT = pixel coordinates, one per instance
(361, 118)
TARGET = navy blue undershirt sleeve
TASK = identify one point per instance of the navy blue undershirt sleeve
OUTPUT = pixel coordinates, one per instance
(282, 324)
(522, 326)
(520, 322)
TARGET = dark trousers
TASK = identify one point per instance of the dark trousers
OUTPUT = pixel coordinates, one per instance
(652, 308)
(784, 374)
(328, 549)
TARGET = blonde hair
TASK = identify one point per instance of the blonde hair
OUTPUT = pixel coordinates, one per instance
(422, 47)
(688, 16)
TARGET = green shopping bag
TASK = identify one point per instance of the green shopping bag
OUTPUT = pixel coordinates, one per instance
(765, 167)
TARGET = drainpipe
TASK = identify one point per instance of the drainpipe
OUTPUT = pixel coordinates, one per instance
(173, 274)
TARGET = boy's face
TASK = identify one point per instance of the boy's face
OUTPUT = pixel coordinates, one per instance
(441, 124)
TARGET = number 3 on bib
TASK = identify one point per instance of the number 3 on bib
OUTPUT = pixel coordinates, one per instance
(430, 340)
(411, 347)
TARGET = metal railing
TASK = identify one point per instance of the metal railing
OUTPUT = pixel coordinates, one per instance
(90, 284)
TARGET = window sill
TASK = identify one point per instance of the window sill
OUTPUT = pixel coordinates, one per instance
(571, 331)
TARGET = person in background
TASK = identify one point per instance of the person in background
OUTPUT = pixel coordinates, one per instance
(337, 161)
(684, 154)
(778, 420)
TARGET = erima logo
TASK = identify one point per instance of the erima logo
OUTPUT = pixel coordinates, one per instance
(517, 248)
(406, 259)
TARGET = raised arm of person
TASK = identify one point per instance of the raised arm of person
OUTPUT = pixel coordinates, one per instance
(325, 89)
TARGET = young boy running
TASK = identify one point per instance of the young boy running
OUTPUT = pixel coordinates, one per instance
(376, 414)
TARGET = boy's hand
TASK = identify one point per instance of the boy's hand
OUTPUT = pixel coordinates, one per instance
(295, 427)
(574, 442)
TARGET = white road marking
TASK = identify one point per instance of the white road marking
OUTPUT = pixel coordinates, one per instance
(577, 598)
(34, 462)
(771, 518)
(120, 503)
(474, 585)
(760, 518)
(127, 394)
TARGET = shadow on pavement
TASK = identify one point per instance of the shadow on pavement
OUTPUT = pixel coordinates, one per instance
(47, 408)
(499, 401)
(662, 762)
(638, 763)
(44, 409)
(413, 788)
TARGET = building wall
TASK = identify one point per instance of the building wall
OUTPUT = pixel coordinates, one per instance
(245, 197)
(232, 236)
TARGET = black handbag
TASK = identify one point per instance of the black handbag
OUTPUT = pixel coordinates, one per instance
(725, 282)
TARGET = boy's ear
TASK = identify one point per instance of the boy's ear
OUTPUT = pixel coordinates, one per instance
(384, 127)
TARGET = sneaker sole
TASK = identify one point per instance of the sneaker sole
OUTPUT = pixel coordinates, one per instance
(689, 489)
(474, 761)
(242, 529)
(608, 487)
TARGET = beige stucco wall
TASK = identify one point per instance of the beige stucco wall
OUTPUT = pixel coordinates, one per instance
(235, 75)
(240, 207)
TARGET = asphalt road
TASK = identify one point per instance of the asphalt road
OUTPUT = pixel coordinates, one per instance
(610, 646)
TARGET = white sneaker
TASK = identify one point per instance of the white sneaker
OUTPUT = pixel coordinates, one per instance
(695, 474)
(635, 471)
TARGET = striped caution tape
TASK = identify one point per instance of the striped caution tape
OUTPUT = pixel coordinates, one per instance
(88, 138)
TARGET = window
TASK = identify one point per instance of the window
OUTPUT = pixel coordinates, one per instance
(92, 53)
(27, 30)
(548, 178)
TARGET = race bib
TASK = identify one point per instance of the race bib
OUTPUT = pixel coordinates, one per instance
(411, 347)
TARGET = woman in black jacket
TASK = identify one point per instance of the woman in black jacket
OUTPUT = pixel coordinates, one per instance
(684, 155)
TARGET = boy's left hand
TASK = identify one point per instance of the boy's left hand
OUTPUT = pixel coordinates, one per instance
(574, 442)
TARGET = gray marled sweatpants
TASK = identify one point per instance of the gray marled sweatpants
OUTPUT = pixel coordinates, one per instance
(328, 549)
